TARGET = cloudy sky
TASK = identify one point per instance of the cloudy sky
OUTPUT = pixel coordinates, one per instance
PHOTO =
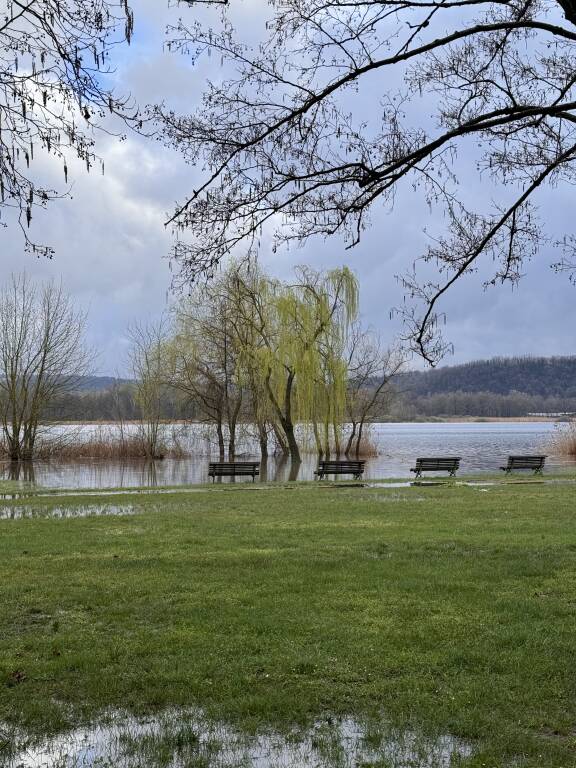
(112, 247)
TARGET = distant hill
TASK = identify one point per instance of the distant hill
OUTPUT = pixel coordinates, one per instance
(540, 376)
(97, 383)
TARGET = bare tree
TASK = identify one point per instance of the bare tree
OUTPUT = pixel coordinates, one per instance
(53, 59)
(285, 144)
(205, 365)
(148, 363)
(371, 370)
(42, 354)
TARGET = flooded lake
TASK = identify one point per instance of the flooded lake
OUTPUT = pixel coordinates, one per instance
(483, 447)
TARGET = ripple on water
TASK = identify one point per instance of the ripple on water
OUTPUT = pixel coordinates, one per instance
(31, 511)
(181, 739)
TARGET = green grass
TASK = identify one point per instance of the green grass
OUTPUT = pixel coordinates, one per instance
(449, 609)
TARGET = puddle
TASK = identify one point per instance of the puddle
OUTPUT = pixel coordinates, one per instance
(186, 739)
(30, 511)
(406, 484)
(125, 492)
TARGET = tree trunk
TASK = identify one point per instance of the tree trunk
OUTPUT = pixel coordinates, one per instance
(293, 448)
(350, 441)
(220, 433)
(294, 469)
(287, 423)
(326, 439)
(318, 440)
(337, 445)
(263, 439)
(359, 439)
(280, 439)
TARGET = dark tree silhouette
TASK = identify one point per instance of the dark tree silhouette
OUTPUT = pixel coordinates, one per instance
(284, 144)
(53, 56)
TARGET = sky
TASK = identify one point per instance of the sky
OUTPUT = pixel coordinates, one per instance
(112, 248)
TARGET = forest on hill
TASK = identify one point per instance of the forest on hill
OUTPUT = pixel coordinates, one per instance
(541, 376)
(500, 387)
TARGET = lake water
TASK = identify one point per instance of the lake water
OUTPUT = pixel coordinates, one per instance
(483, 448)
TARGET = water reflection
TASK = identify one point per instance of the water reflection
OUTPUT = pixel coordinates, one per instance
(182, 739)
(21, 471)
(32, 511)
(482, 446)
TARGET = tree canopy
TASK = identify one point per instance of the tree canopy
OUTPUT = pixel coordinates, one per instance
(284, 143)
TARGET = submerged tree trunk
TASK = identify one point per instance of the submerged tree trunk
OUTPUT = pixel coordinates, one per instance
(336, 430)
(263, 439)
(293, 448)
(350, 440)
(220, 433)
(327, 439)
(359, 439)
(285, 416)
(317, 439)
(280, 439)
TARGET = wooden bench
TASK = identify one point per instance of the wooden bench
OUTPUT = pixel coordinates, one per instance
(355, 468)
(535, 463)
(233, 469)
(448, 464)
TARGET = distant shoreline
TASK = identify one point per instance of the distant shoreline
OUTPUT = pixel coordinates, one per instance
(423, 420)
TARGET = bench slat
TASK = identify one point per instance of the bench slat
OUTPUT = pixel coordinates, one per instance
(345, 467)
(535, 463)
(448, 464)
(233, 468)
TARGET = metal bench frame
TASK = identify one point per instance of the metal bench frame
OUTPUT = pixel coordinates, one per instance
(449, 464)
(233, 469)
(535, 463)
(351, 467)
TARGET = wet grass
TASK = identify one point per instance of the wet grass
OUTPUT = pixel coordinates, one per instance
(448, 609)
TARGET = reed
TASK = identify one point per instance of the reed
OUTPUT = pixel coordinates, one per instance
(564, 441)
(109, 447)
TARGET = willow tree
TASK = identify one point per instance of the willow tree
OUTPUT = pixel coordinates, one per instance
(289, 322)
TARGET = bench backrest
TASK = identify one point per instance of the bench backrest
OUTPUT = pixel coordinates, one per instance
(438, 463)
(233, 466)
(526, 462)
(342, 465)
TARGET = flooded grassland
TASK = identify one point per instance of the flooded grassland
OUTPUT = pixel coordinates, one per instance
(327, 626)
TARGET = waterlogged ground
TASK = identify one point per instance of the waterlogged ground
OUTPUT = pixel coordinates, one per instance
(314, 625)
(28, 511)
(483, 448)
(189, 740)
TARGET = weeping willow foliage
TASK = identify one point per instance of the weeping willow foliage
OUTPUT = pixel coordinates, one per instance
(283, 345)
(293, 341)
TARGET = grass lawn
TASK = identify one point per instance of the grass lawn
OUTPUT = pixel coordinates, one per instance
(448, 609)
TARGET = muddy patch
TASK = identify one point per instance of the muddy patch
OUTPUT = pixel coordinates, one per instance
(186, 739)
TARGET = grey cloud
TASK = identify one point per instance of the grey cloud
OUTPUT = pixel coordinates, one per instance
(111, 244)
